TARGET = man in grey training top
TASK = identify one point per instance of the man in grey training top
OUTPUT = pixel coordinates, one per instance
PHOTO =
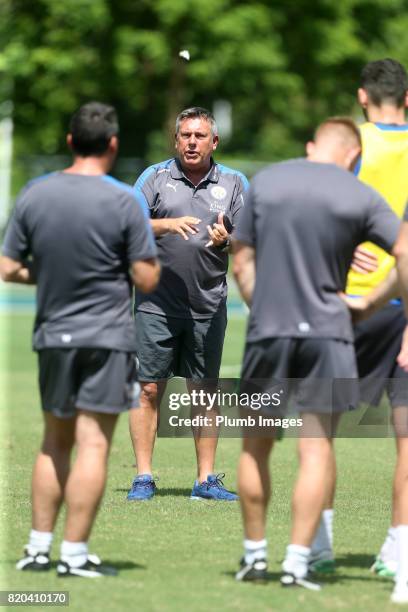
(193, 203)
(83, 231)
(295, 239)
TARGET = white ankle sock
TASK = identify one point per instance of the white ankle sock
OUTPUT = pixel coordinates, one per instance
(255, 550)
(322, 544)
(39, 541)
(74, 553)
(296, 560)
(388, 550)
(401, 536)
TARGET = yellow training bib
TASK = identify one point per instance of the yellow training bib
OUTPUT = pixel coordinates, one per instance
(384, 166)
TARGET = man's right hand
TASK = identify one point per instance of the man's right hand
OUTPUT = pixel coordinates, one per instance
(183, 225)
(180, 225)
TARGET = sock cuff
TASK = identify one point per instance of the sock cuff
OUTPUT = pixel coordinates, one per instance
(297, 549)
(328, 513)
(401, 530)
(73, 548)
(39, 541)
(255, 544)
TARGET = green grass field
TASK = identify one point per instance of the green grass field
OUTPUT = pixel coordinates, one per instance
(174, 554)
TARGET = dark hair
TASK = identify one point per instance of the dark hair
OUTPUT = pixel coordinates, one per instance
(92, 127)
(385, 81)
(197, 111)
(345, 127)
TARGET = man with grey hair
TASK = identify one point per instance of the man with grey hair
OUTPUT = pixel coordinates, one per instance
(193, 203)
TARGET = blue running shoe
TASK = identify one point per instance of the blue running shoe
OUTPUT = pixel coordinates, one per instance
(212, 488)
(143, 488)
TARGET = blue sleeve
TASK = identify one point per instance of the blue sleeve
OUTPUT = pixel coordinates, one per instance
(144, 189)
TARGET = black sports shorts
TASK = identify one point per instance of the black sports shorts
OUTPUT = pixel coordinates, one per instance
(377, 343)
(99, 380)
(320, 373)
(168, 346)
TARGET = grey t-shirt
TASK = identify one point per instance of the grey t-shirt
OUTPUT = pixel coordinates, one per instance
(193, 280)
(305, 219)
(83, 232)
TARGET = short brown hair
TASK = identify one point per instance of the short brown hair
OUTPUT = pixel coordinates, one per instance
(197, 112)
(345, 127)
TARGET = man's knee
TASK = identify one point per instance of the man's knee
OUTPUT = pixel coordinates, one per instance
(94, 430)
(258, 448)
(315, 449)
(149, 393)
(59, 434)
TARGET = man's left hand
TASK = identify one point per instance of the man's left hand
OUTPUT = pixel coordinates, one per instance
(218, 234)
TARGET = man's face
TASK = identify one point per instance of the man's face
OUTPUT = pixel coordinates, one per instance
(195, 143)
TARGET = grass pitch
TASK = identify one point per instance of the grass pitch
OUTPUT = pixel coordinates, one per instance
(175, 554)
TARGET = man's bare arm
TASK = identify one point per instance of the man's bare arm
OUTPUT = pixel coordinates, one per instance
(244, 270)
(363, 307)
(146, 274)
(401, 254)
(12, 271)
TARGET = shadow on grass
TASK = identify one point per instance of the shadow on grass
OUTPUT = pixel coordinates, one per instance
(352, 560)
(165, 492)
(361, 560)
(270, 577)
(118, 565)
(124, 565)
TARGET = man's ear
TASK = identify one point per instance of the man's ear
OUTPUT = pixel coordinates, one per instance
(69, 141)
(353, 157)
(310, 148)
(114, 144)
(215, 142)
(406, 100)
(362, 97)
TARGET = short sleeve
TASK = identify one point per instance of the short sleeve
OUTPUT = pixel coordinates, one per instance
(245, 230)
(144, 189)
(16, 240)
(238, 200)
(140, 242)
(382, 223)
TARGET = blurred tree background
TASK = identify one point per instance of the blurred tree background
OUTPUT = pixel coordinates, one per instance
(281, 64)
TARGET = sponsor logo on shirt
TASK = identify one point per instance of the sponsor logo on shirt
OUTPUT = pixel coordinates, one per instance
(171, 186)
(66, 338)
(304, 327)
(217, 207)
(218, 192)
